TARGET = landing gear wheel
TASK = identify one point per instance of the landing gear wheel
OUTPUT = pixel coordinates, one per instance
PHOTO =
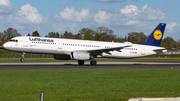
(81, 62)
(22, 60)
(93, 62)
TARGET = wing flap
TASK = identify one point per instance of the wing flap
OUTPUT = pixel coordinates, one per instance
(101, 50)
(108, 49)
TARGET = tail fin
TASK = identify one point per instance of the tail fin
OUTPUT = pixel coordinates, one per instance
(155, 38)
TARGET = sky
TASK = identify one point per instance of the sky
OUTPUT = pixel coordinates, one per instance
(122, 16)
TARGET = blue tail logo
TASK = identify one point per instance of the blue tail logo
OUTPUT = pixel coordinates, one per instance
(155, 38)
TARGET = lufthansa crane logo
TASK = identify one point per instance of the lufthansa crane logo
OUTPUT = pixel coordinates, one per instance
(157, 34)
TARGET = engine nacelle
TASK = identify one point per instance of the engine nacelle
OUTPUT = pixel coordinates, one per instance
(62, 57)
(80, 56)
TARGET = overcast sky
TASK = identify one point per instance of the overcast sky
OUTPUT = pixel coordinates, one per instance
(122, 16)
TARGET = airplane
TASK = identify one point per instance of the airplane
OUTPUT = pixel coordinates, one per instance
(81, 50)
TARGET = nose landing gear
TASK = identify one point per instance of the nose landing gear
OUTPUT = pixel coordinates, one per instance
(22, 59)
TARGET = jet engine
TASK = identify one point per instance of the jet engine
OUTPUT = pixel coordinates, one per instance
(80, 55)
(62, 57)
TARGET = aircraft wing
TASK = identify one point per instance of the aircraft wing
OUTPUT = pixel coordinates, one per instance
(101, 50)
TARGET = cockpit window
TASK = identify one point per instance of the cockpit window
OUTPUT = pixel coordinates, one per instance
(13, 40)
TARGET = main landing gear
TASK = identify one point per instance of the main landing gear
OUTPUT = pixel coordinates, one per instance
(22, 59)
(92, 62)
(81, 62)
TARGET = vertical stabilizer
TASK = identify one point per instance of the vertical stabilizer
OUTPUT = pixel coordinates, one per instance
(155, 38)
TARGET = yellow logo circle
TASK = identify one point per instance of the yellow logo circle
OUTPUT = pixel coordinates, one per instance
(157, 34)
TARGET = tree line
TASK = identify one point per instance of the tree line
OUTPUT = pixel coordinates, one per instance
(100, 34)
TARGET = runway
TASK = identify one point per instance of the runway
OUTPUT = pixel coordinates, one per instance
(100, 65)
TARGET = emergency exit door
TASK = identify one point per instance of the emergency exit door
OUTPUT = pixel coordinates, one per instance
(59, 44)
(142, 50)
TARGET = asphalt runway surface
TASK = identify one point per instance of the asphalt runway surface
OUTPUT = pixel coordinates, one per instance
(100, 65)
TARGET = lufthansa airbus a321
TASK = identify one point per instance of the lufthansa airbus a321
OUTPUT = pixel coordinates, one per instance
(81, 50)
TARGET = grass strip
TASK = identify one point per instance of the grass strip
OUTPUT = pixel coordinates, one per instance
(88, 85)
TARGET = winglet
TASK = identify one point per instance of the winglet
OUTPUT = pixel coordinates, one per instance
(155, 38)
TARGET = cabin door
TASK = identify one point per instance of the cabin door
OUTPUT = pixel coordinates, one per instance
(25, 42)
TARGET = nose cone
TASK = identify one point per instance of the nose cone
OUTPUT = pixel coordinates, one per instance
(6, 45)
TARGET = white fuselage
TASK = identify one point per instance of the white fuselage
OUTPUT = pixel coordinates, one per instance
(57, 46)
